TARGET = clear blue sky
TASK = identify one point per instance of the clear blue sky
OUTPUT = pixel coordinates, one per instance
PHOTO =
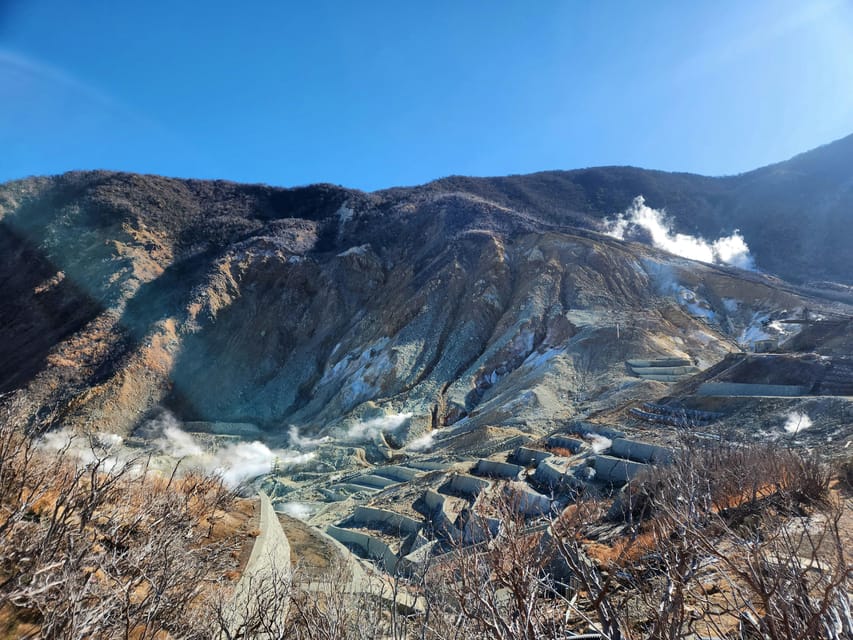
(376, 94)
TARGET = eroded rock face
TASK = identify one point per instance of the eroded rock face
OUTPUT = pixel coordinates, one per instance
(321, 306)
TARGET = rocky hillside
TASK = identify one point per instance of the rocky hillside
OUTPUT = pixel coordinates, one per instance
(495, 301)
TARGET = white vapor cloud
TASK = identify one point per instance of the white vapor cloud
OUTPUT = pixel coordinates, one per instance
(797, 422)
(301, 442)
(640, 219)
(422, 443)
(298, 510)
(235, 462)
(370, 429)
(599, 443)
(86, 449)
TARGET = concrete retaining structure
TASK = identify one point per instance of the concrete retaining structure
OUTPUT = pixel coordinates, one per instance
(495, 469)
(680, 412)
(565, 442)
(441, 518)
(640, 451)
(270, 556)
(371, 546)
(427, 465)
(352, 487)
(662, 369)
(477, 528)
(591, 428)
(661, 378)
(467, 485)
(383, 518)
(527, 501)
(553, 472)
(665, 371)
(433, 499)
(397, 472)
(526, 456)
(371, 480)
(660, 362)
(745, 389)
(616, 470)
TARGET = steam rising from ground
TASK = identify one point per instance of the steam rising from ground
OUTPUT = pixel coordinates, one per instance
(422, 443)
(599, 443)
(105, 448)
(303, 443)
(298, 510)
(235, 462)
(797, 422)
(369, 430)
(640, 220)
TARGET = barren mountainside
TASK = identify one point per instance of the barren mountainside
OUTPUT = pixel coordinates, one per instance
(494, 300)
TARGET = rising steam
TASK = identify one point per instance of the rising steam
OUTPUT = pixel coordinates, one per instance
(369, 430)
(640, 220)
(423, 443)
(105, 449)
(599, 443)
(235, 462)
(797, 422)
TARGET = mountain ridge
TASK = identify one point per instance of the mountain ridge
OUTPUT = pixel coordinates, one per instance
(487, 300)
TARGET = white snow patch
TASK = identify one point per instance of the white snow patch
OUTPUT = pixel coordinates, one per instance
(355, 251)
(755, 330)
(695, 305)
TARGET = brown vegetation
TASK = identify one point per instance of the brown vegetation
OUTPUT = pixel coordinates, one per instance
(737, 542)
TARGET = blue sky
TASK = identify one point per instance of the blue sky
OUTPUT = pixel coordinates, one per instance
(377, 94)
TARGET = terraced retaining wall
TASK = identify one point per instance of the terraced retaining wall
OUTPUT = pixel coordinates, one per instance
(527, 501)
(495, 469)
(640, 451)
(552, 471)
(590, 428)
(660, 362)
(616, 470)
(745, 389)
(467, 485)
(397, 472)
(371, 546)
(526, 456)
(371, 480)
(383, 517)
(565, 442)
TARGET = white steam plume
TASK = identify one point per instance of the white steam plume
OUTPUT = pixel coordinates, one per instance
(599, 443)
(423, 443)
(86, 449)
(369, 430)
(639, 219)
(304, 442)
(797, 422)
(298, 510)
(235, 462)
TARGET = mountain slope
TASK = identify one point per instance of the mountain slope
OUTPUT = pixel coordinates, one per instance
(493, 301)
